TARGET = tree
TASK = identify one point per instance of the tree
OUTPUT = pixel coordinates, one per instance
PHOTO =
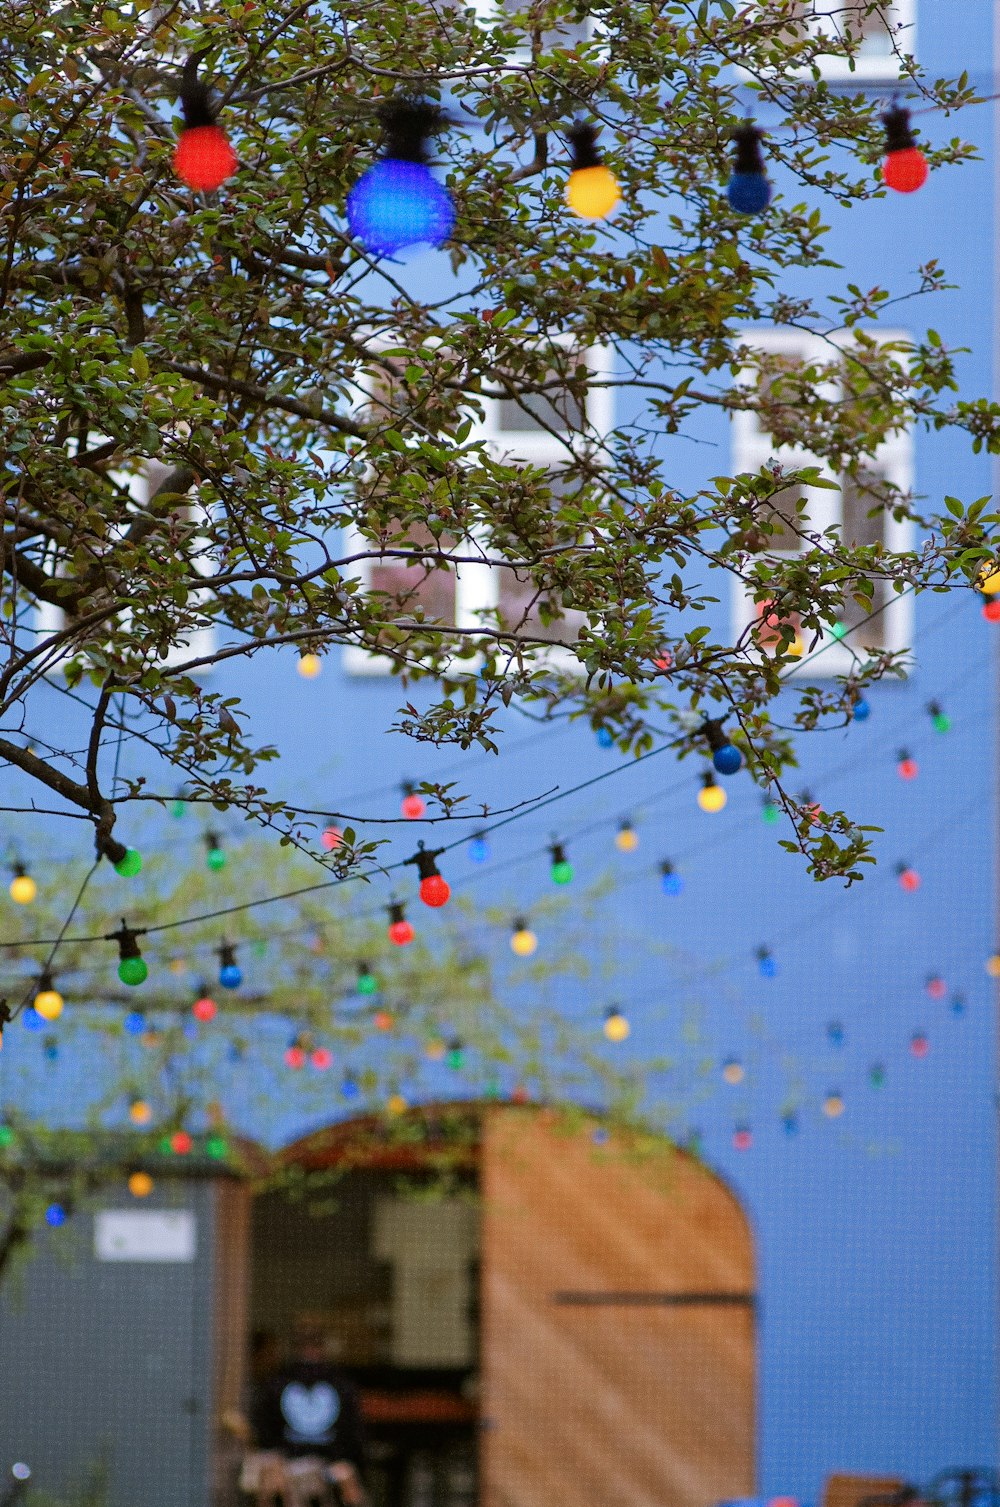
(222, 345)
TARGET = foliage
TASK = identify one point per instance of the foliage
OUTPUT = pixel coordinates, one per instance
(222, 347)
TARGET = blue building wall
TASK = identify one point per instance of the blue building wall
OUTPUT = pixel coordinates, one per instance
(876, 1230)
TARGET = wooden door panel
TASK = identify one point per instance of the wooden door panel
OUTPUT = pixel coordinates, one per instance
(612, 1373)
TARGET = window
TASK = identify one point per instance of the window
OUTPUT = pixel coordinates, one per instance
(880, 35)
(566, 32)
(799, 512)
(521, 428)
(50, 619)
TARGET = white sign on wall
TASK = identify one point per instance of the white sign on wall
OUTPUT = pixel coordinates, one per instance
(144, 1235)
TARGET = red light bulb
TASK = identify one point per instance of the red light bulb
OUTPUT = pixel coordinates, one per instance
(383, 1020)
(204, 1008)
(664, 660)
(203, 158)
(905, 166)
(295, 1056)
(434, 890)
(332, 838)
(991, 610)
(919, 1045)
(742, 1138)
(181, 1142)
(936, 986)
(321, 1059)
(413, 805)
(906, 767)
(909, 879)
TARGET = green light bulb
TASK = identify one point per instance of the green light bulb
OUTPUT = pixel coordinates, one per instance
(771, 812)
(6, 1137)
(130, 864)
(216, 1146)
(177, 809)
(455, 1058)
(133, 971)
(562, 872)
(215, 858)
(942, 722)
(838, 630)
(367, 983)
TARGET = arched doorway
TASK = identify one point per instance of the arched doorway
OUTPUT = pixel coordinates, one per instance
(536, 1310)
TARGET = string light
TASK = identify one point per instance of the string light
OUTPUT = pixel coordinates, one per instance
(561, 869)
(435, 890)
(626, 838)
(592, 190)
(936, 986)
(991, 609)
(230, 972)
(766, 966)
(940, 721)
(132, 967)
(748, 190)
(992, 965)
(400, 930)
(833, 1104)
(726, 757)
(48, 1001)
(217, 1147)
(309, 666)
(134, 1023)
(398, 202)
(332, 837)
(140, 1112)
(919, 1044)
(909, 879)
(31, 1019)
(140, 1184)
(671, 882)
(204, 1007)
(180, 1143)
(178, 806)
(367, 983)
(455, 1055)
(412, 805)
(770, 811)
(203, 157)
(742, 1138)
(906, 766)
(321, 1059)
(215, 857)
(23, 888)
(861, 710)
(733, 1071)
(616, 1027)
(876, 1075)
(383, 1020)
(905, 166)
(523, 941)
(295, 1054)
(479, 849)
(55, 1215)
(711, 796)
(349, 1088)
(605, 737)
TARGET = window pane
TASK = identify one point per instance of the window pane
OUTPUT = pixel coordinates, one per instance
(864, 526)
(557, 410)
(518, 608)
(417, 584)
(786, 518)
(563, 33)
(780, 385)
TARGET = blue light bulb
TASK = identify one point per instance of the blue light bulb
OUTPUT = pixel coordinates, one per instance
(728, 759)
(32, 1020)
(230, 976)
(835, 1032)
(748, 193)
(671, 882)
(349, 1087)
(398, 204)
(862, 710)
(479, 849)
(605, 738)
(766, 966)
(55, 1215)
(134, 1023)
(790, 1122)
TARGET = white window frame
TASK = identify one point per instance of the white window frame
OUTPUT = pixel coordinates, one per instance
(871, 68)
(50, 619)
(753, 448)
(477, 587)
(491, 12)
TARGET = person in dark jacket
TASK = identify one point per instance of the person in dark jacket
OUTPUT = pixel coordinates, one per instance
(307, 1407)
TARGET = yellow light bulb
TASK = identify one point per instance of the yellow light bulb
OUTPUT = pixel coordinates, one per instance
(592, 192)
(139, 1112)
(140, 1185)
(616, 1027)
(711, 797)
(733, 1072)
(833, 1105)
(523, 942)
(627, 839)
(310, 666)
(396, 1104)
(435, 1050)
(23, 889)
(990, 584)
(49, 1004)
(993, 965)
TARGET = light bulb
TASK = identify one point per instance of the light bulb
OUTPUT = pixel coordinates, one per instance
(367, 982)
(919, 1044)
(616, 1027)
(991, 610)
(733, 1072)
(139, 1112)
(835, 1033)
(626, 838)
(478, 849)
(770, 811)
(396, 1105)
(833, 1105)
(766, 966)
(940, 721)
(592, 190)
(992, 965)
(876, 1075)
(561, 869)
(215, 857)
(203, 157)
(742, 1138)
(309, 666)
(936, 986)
(905, 166)
(455, 1056)
(434, 890)
(989, 585)
(134, 1023)
(605, 738)
(909, 879)
(204, 1008)
(957, 1004)
(216, 1147)
(48, 1001)
(748, 190)
(412, 805)
(671, 882)
(906, 766)
(129, 864)
(140, 1184)
(523, 941)
(711, 797)
(55, 1215)
(790, 1122)
(435, 1049)
(383, 1020)
(23, 888)
(398, 202)
(132, 967)
(861, 710)
(400, 930)
(180, 1143)
(332, 838)
(295, 1056)
(230, 972)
